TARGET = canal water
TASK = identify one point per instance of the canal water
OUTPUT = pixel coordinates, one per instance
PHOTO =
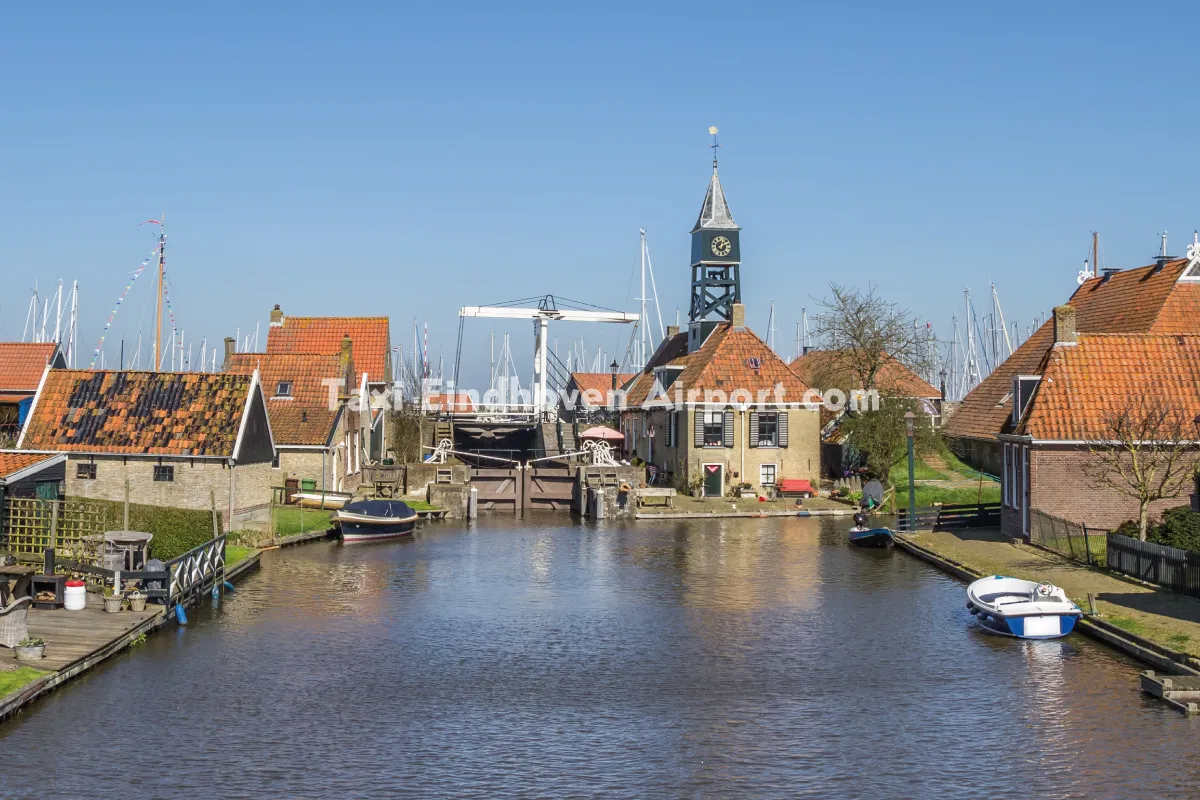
(532, 658)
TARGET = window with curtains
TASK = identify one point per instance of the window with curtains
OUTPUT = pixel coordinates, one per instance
(768, 429)
(714, 428)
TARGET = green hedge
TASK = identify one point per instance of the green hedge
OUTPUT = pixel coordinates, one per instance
(176, 530)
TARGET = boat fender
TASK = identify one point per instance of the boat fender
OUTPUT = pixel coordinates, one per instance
(229, 587)
(180, 614)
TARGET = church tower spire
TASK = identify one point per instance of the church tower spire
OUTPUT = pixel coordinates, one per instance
(716, 261)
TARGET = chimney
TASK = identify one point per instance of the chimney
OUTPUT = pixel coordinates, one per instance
(1064, 325)
(347, 355)
(276, 316)
(739, 316)
(230, 349)
(672, 330)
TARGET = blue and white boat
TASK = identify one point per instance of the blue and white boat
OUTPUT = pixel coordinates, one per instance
(872, 537)
(373, 520)
(1024, 609)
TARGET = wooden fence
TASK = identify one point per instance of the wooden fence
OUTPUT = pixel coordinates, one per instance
(73, 528)
(1169, 567)
(949, 517)
(1071, 539)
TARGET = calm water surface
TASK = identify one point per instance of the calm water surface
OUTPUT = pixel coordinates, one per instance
(528, 658)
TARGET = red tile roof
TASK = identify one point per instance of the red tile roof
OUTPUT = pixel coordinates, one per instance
(597, 385)
(827, 367)
(370, 336)
(167, 413)
(1086, 384)
(1143, 300)
(441, 402)
(730, 360)
(22, 364)
(15, 462)
(306, 417)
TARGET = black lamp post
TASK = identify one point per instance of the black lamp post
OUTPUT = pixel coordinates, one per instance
(910, 420)
(613, 367)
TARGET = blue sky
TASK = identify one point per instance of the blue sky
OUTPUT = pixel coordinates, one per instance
(406, 159)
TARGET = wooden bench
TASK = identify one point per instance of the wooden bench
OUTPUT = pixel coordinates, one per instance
(667, 495)
(794, 487)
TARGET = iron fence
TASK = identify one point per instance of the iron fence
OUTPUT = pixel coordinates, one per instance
(1074, 540)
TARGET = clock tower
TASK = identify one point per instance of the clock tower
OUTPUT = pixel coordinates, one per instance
(716, 262)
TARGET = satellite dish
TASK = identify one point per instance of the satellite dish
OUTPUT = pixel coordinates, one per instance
(873, 491)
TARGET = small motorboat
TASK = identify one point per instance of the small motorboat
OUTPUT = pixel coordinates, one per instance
(1024, 609)
(872, 537)
(319, 499)
(371, 520)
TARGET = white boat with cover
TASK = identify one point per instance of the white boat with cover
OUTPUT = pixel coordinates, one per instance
(1024, 609)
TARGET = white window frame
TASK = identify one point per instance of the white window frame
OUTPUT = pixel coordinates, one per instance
(762, 474)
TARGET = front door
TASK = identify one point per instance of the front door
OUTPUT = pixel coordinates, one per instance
(714, 480)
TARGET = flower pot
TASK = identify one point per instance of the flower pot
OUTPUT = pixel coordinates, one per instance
(31, 653)
(137, 602)
(113, 604)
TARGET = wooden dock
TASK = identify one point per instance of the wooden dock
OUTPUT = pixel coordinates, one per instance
(75, 642)
(1181, 692)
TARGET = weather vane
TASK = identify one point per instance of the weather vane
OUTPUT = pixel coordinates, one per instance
(712, 129)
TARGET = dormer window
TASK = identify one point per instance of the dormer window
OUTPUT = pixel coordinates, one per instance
(284, 389)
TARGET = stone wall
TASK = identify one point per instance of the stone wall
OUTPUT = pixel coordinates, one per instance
(418, 477)
(451, 496)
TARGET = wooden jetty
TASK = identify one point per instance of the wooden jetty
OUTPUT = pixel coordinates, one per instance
(1181, 692)
(75, 642)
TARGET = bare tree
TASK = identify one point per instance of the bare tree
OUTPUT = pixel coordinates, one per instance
(865, 331)
(1145, 451)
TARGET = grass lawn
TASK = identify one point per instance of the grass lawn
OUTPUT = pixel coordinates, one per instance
(927, 495)
(921, 472)
(235, 553)
(421, 505)
(11, 681)
(290, 520)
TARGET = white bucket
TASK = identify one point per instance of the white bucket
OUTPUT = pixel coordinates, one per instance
(75, 597)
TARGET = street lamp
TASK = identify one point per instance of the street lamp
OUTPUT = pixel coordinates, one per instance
(910, 424)
(613, 367)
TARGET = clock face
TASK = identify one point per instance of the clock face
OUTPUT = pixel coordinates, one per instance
(720, 246)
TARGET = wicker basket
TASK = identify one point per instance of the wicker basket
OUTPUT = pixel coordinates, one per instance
(113, 604)
(137, 601)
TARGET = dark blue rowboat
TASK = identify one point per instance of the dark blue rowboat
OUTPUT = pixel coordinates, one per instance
(369, 520)
(874, 537)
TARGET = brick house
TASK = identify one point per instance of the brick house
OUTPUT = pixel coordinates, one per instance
(372, 343)
(1161, 298)
(1065, 408)
(315, 430)
(763, 427)
(175, 437)
(21, 367)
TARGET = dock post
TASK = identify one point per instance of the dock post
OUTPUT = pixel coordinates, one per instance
(473, 503)
(1092, 602)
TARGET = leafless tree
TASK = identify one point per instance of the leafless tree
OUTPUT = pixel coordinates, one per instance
(865, 331)
(1145, 451)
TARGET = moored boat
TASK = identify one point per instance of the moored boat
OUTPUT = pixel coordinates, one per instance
(319, 499)
(872, 537)
(1020, 608)
(370, 520)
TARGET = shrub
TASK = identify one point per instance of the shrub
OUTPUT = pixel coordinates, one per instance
(176, 530)
(1180, 527)
(1128, 528)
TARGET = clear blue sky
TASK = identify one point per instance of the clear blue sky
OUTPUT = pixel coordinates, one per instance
(406, 159)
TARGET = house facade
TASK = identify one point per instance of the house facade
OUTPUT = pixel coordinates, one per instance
(22, 365)
(316, 431)
(176, 439)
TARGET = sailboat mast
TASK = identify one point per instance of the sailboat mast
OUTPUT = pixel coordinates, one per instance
(162, 265)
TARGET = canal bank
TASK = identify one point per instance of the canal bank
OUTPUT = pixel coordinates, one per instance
(1159, 628)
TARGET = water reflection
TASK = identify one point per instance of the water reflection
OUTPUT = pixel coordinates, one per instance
(722, 658)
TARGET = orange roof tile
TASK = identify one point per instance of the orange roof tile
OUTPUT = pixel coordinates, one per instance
(307, 416)
(441, 402)
(1084, 385)
(12, 462)
(729, 360)
(597, 384)
(371, 337)
(817, 366)
(166, 413)
(1144, 300)
(22, 364)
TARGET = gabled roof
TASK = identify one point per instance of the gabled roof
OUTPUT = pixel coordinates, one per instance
(306, 417)
(154, 413)
(597, 384)
(323, 335)
(13, 463)
(895, 379)
(22, 364)
(1085, 385)
(714, 213)
(726, 362)
(1148, 299)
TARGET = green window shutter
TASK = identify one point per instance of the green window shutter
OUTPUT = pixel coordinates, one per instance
(781, 431)
(753, 429)
(728, 431)
(698, 427)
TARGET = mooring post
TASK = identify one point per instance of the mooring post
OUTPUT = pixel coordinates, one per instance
(1092, 602)
(125, 521)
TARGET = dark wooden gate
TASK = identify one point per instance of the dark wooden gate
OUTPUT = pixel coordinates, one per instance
(499, 489)
(548, 487)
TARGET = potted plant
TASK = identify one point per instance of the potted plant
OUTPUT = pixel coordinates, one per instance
(112, 600)
(137, 600)
(31, 648)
